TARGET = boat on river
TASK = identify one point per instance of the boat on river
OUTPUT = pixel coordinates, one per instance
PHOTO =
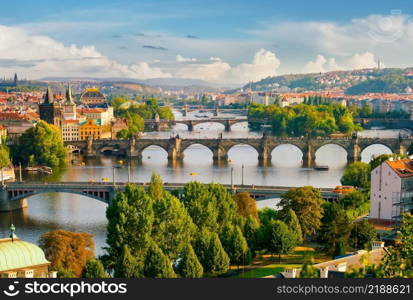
(321, 168)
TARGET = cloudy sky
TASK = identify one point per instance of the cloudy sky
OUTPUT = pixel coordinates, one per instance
(225, 42)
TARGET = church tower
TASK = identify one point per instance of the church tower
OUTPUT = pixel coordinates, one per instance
(49, 110)
(69, 106)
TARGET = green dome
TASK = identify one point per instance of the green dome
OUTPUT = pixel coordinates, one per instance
(18, 254)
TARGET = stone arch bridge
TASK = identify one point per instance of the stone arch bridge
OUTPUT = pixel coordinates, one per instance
(157, 125)
(220, 147)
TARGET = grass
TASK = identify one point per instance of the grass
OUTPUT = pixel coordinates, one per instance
(272, 269)
(266, 265)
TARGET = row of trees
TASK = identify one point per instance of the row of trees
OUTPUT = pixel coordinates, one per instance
(202, 231)
(366, 111)
(305, 119)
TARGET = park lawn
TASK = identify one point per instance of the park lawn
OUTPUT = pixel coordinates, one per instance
(272, 269)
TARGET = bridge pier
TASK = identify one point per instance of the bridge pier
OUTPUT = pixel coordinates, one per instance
(227, 125)
(191, 126)
(7, 205)
(353, 154)
(216, 112)
(308, 156)
(219, 154)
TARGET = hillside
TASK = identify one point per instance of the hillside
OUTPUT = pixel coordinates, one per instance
(391, 80)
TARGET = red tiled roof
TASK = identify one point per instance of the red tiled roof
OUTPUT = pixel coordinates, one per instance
(402, 167)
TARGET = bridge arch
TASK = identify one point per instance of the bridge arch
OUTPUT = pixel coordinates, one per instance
(73, 149)
(250, 149)
(336, 152)
(212, 121)
(367, 152)
(102, 196)
(291, 160)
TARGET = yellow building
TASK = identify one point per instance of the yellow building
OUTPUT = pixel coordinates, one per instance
(20, 259)
(89, 128)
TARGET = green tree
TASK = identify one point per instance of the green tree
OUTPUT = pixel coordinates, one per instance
(94, 269)
(44, 143)
(340, 248)
(128, 266)
(399, 260)
(357, 174)
(234, 244)
(157, 264)
(173, 228)
(189, 265)
(130, 219)
(282, 240)
(251, 234)
(155, 189)
(4, 156)
(291, 220)
(210, 253)
(336, 226)
(362, 234)
(201, 205)
(306, 202)
(308, 270)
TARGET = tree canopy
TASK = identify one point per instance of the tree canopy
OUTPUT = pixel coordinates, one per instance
(41, 144)
(306, 202)
(68, 250)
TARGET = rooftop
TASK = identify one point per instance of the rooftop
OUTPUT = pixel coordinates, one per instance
(402, 167)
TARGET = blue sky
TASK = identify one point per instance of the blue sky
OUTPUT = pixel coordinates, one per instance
(217, 41)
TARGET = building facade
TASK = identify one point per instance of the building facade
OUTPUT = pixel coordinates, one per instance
(391, 191)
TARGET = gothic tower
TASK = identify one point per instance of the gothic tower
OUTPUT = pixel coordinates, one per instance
(49, 110)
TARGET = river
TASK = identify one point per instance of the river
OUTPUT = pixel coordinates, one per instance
(77, 213)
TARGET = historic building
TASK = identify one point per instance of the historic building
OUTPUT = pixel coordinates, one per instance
(70, 130)
(90, 128)
(92, 96)
(69, 106)
(20, 259)
(50, 111)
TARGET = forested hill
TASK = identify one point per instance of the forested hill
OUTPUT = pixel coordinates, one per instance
(390, 80)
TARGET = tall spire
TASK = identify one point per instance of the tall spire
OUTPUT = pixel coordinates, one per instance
(69, 96)
(48, 99)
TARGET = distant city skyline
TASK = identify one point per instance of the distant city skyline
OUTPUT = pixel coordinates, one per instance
(222, 42)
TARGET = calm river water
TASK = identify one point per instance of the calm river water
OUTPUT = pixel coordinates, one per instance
(76, 213)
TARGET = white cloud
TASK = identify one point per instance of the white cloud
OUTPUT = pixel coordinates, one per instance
(38, 56)
(264, 63)
(356, 61)
(180, 58)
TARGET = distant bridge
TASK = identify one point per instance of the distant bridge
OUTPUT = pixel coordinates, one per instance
(157, 125)
(13, 195)
(220, 147)
(216, 110)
